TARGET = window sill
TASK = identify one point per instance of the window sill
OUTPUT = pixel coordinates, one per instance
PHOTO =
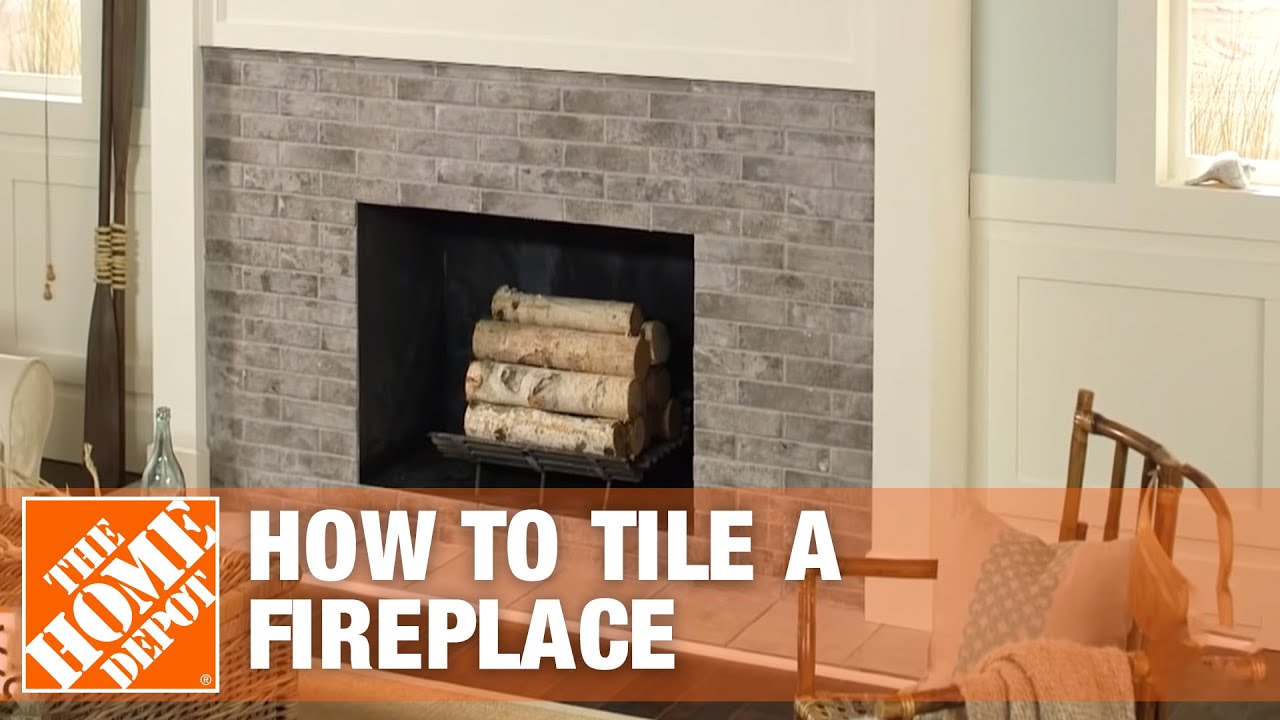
(1260, 190)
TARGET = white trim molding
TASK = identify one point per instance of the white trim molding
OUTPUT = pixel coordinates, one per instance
(178, 323)
(913, 53)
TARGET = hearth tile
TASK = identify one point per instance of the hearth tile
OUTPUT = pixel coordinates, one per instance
(715, 615)
(842, 629)
(902, 652)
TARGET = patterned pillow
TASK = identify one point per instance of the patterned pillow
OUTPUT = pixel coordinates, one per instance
(998, 585)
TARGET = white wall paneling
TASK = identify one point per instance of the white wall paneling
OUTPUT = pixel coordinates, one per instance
(827, 43)
(1178, 336)
(57, 330)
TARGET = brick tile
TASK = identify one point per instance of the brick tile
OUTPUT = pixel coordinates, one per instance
(790, 171)
(837, 376)
(282, 76)
(242, 303)
(853, 293)
(787, 113)
(256, 152)
(799, 480)
(321, 107)
(352, 82)
(696, 220)
(438, 144)
(338, 340)
(784, 398)
(739, 308)
(275, 332)
(242, 202)
(281, 435)
(701, 108)
(737, 364)
(579, 183)
(318, 158)
(832, 262)
(238, 252)
(269, 382)
(337, 237)
(788, 228)
(739, 138)
(326, 263)
(852, 406)
(784, 454)
(600, 212)
(712, 389)
(440, 197)
(720, 473)
(784, 341)
(521, 205)
(743, 421)
(237, 99)
(474, 174)
(522, 97)
(338, 392)
(524, 152)
(221, 124)
(603, 157)
(321, 364)
(830, 319)
(737, 251)
(747, 196)
(606, 102)
(852, 350)
(280, 282)
(710, 276)
(274, 127)
(830, 203)
(219, 71)
(318, 415)
(318, 209)
(395, 166)
(282, 180)
(794, 286)
(278, 230)
(560, 77)
(478, 72)
(562, 127)
(319, 312)
(856, 176)
(828, 432)
(667, 191)
(339, 443)
(361, 189)
(357, 136)
(713, 444)
(715, 333)
(854, 464)
(337, 288)
(854, 117)
(241, 354)
(696, 164)
(420, 116)
(482, 121)
(649, 133)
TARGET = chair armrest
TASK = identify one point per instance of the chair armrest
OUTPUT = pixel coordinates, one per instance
(889, 568)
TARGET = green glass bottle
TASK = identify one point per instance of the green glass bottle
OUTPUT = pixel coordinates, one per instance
(162, 474)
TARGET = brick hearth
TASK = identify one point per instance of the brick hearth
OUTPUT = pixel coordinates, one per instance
(774, 183)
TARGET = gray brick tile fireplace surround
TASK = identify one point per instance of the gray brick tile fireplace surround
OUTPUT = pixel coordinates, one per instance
(775, 184)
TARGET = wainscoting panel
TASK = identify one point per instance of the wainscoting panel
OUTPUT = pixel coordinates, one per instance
(1177, 336)
(56, 330)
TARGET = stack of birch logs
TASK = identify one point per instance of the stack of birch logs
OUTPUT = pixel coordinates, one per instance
(570, 374)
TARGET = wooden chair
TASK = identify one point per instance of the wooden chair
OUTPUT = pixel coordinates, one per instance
(1160, 469)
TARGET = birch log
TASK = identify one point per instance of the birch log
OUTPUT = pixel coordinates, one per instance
(603, 316)
(659, 341)
(561, 391)
(526, 426)
(657, 387)
(545, 347)
(669, 421)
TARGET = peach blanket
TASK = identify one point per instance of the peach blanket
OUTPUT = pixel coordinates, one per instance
(1050, 680)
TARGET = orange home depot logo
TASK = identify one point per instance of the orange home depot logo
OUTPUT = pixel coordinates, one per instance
(120, 595)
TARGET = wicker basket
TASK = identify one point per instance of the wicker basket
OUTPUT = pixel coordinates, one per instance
(259, 695)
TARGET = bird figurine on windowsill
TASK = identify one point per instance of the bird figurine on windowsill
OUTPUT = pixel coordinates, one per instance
(1227, 169)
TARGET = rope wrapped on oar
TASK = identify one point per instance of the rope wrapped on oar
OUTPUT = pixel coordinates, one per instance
(103, 262)
(119, 256)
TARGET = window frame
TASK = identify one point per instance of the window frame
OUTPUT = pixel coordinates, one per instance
(1183, 164)
(28, 109)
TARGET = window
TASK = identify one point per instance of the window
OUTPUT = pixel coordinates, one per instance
(1227, 92)
(40, 49)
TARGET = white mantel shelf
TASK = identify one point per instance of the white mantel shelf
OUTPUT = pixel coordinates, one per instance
(913, 53)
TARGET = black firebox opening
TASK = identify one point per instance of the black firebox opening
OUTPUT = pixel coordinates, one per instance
(425, 278)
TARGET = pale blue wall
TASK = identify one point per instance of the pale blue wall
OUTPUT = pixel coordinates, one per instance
(1044, 88)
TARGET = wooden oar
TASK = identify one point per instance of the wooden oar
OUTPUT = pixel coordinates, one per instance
(103, 397)
(122, 75)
